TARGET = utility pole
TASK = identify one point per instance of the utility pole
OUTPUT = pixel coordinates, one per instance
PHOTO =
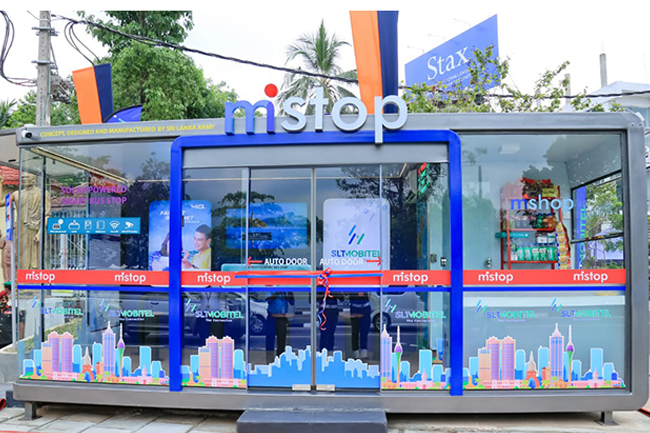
(603, 70)
(43, 65)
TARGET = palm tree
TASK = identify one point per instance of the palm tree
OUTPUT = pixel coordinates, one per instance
(5, 112)
(319, 53)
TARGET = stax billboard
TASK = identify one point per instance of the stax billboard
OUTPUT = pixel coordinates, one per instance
(297, 119)
(447, 63)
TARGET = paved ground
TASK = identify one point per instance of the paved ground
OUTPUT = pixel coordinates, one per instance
(102, 419)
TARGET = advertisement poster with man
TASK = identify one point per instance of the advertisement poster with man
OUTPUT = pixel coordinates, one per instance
(197, 224)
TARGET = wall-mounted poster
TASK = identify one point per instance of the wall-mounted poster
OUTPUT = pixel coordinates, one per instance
(197, 223)
(356, 234)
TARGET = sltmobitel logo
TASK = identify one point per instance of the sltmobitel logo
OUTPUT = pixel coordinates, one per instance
(125, 314)
(58, 310)
(212, 315)
(581, 314)
(504, 315)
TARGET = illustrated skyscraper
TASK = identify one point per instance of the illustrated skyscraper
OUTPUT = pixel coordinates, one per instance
(570, 350)
(108, 346)
(213, 347)
(484, 365)
(556, 346)
(493, 347)
(386, 355)
(46, 358)
(226, 358)
(66, 352)
(120, 350)
(204, 364)
(54, 340)
(508, 359)
(398, 353)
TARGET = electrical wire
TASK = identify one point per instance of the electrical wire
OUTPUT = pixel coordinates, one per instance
(156, 42)
(67, 33)
(7, 43)
(74, 35)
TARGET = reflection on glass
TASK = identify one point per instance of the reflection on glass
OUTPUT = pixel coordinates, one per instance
(414, 341)
(328, 317)
(279, 337)
(105, 338)
(214, 340)
(360, 311)
(528, 199)
(599, 225)
(544, 340)
(279, 309)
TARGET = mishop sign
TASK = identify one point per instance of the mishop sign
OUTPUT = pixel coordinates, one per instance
(298, 120)
(543, 204)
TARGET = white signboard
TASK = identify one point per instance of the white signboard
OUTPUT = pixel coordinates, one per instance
(356, 234)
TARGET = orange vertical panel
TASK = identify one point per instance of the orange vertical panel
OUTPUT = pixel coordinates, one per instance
(85, 85)
(365, 33)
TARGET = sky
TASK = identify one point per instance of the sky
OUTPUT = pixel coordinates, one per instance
(534, 36)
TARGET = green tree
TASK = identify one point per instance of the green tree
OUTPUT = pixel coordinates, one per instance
(488, 76)
(167, 26)
(318, 53)
(60, 114)
(166, 82)
(5, 112)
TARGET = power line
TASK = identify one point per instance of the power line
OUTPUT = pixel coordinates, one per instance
(150, 41)
(7, 43)
(156, 42)
(67, 33)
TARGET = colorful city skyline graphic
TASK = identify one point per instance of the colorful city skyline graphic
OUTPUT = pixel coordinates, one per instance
(396, 373)
(500, 365)
(217, 365)
(294, 368)
(59, 359)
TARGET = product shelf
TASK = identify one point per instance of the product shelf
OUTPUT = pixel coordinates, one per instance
(509, 235)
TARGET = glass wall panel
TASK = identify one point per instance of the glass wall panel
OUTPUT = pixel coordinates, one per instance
(215, 305)
(277, 238)
(528, 199)
(544, 213)
(352, 236)
(97, 337)
(416, 312)
(542, 340)
(84, 218)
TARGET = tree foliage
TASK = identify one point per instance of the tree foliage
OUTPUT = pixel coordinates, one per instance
(318, 52)
(166, 82)
(60, 114)
(6, 108)
(167, 26)
(489, 72)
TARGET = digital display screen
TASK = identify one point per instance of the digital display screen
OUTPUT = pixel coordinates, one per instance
(270, 226)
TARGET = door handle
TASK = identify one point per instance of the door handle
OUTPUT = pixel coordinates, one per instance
(443, 261)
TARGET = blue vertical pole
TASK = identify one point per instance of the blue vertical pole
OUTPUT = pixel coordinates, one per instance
(175, 252)
(456, 293)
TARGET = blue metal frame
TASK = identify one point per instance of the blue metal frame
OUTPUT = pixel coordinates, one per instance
(306, 139)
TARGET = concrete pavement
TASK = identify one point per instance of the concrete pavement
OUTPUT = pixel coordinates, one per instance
(102, 419)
